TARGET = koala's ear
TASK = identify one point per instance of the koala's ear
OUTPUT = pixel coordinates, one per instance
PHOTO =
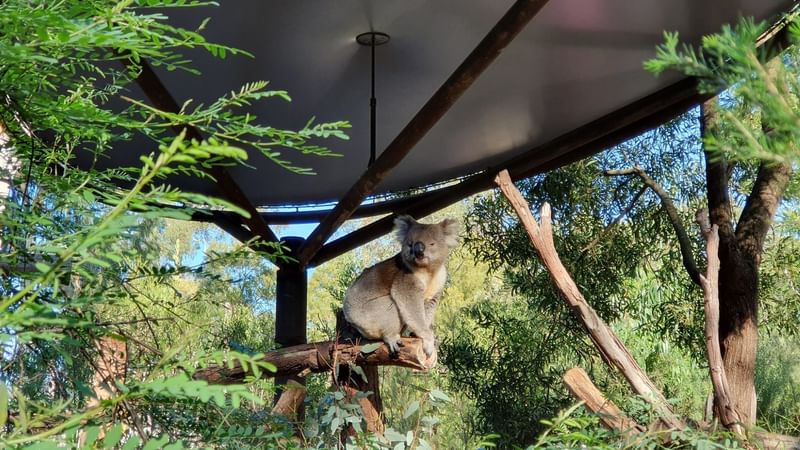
(402, 224)
(450, 228)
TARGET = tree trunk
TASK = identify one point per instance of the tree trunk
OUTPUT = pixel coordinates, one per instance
(740, 255)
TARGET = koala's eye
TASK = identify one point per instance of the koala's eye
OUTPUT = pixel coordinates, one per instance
(432, 244)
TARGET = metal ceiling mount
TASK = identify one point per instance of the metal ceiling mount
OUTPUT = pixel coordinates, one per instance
(372, 39)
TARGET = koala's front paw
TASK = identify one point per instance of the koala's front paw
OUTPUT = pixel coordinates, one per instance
(394, 345)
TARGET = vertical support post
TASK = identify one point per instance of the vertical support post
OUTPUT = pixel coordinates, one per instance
(291, 308)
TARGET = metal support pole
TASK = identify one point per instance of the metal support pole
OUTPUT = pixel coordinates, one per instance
(372, 39)
(373, 104)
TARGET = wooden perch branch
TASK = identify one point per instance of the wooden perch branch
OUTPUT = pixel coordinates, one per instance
(581, 387)
(321, 357)
(609, 345)
(710, 284)
(672, 212)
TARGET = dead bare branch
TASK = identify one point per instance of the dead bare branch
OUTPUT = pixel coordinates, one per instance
(581, 387)
(710, 284)
(611, 348)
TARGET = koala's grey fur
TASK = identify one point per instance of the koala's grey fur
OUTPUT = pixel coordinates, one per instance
(401, 293)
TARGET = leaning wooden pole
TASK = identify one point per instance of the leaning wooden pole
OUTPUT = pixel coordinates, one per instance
(609, 345)
(352, 381)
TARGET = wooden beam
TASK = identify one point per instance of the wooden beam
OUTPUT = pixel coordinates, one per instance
(605, 132)
(234, 227)
(161, 98)
(609, 130)
(481, 57)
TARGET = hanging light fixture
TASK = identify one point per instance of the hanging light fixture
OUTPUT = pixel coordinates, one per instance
(372, 39)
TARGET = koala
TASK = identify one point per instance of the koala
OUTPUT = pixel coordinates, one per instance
(400, 294)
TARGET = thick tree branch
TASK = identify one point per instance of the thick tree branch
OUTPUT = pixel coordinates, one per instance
(322, 357)
(605, 340)
(672, 212)
(762, 203)
(720, 209)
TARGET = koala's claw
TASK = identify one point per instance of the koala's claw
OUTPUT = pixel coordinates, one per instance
(394, 346)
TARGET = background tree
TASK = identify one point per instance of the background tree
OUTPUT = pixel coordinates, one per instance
(759, 121)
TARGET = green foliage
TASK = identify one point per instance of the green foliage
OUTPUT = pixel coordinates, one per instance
(730, 58)
(575, 429)
(218, 119)
(87, 261)
(778, 384)
(511, 348)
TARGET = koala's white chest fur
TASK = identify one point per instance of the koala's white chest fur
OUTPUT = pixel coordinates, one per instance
(433, 282)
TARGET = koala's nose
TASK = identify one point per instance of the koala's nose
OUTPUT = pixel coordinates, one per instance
(419, 249)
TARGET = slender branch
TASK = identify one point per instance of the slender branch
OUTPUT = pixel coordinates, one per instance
(672, 212)
(612, 226)
(710, 283)
(140, 343)
(133, 321)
